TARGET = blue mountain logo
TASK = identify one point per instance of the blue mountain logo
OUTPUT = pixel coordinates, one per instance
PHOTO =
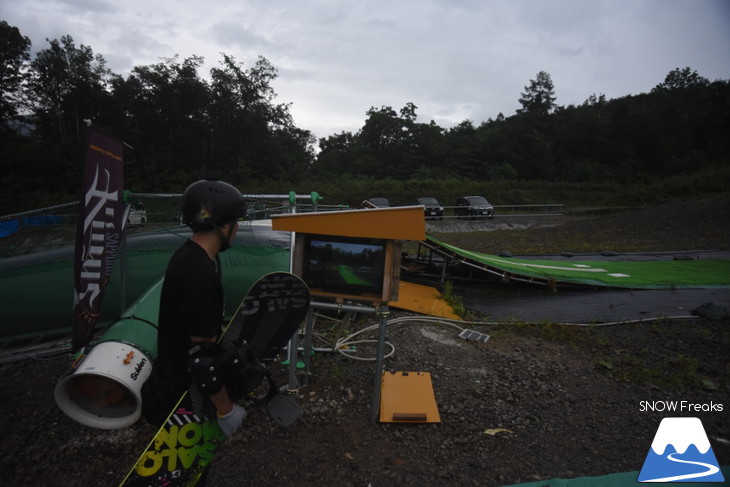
(680, 452)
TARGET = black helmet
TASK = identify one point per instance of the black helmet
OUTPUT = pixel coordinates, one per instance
(209, 203)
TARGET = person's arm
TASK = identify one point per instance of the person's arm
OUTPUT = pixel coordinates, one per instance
(230, 415)
(221, 400)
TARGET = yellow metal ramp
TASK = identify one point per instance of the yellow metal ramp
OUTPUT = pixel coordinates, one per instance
(422, 299)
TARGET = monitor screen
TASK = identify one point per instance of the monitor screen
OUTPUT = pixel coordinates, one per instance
(344, 265)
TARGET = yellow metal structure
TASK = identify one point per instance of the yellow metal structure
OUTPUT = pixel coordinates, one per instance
(422, 299)
(397, 223)
(407, 397)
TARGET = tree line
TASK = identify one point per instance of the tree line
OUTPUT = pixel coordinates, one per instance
(178, 126)
(678, 127)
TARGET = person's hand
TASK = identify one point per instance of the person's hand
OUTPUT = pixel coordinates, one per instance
(229, 423)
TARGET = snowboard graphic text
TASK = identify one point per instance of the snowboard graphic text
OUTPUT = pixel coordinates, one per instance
(180, 447)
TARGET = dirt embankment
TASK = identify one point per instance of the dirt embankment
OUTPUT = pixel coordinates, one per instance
(697, 225)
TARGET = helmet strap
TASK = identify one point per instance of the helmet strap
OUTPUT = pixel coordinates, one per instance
(224, 237)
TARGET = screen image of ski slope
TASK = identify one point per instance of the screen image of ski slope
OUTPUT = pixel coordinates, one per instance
(350, 276)
(351, 267)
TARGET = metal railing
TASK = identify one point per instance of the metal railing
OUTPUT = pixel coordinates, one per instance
(54, 226)
(524, 210)
(501, 211)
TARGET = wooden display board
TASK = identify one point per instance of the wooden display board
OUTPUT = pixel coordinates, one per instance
(352, 254)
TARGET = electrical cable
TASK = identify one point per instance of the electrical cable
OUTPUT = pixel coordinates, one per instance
(343, 344)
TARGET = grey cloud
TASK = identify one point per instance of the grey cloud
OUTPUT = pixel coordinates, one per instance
(461, 59)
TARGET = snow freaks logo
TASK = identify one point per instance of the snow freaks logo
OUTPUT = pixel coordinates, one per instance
(680, 452)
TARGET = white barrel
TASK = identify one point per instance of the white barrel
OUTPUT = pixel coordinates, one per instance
(104, 391)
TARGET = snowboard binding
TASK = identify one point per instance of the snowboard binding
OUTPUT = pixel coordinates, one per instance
(243, 377)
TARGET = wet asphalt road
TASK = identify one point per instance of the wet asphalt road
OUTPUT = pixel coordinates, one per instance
(588, 305)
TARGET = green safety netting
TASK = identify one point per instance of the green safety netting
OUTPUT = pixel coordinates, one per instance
(36, 291)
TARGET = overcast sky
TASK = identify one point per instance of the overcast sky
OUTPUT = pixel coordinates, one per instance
(454, 59)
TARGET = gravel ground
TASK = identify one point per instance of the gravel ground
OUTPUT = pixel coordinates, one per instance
(534, 402)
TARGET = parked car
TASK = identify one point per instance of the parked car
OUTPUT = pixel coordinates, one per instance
(431, 207)
(256, 210)
(379, 202)
(137, 215)
(474, 207)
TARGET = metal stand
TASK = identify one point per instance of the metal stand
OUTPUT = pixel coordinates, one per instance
(309, 325)
(292, 351)
(292, 358)
(383, 311)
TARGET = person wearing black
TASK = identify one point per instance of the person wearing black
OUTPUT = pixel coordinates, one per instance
(192, 309)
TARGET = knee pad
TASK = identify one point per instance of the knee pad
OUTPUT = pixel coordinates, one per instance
(204, 365)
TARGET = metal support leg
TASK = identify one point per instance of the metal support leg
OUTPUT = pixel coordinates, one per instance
(307, 352)
(292, 357)
(379, 353)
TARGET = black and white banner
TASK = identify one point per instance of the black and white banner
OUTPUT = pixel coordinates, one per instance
(99, 230)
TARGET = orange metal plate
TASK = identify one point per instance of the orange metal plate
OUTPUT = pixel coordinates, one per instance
(407, 397)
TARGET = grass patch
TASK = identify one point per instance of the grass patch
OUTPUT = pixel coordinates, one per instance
(570, 335)
(456, 302)
(676, 373)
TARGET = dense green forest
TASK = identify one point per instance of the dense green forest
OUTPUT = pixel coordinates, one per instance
(179, 125)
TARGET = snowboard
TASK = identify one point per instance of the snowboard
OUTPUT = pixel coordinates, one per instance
(266, 319)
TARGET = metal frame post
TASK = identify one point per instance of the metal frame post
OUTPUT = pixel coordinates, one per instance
(307, 352)
(380, 352)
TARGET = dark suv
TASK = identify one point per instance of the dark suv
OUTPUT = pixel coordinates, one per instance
(378, 202)
(474, 207)
(431, 207)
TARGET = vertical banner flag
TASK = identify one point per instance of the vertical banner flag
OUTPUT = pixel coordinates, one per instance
(98, 232)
